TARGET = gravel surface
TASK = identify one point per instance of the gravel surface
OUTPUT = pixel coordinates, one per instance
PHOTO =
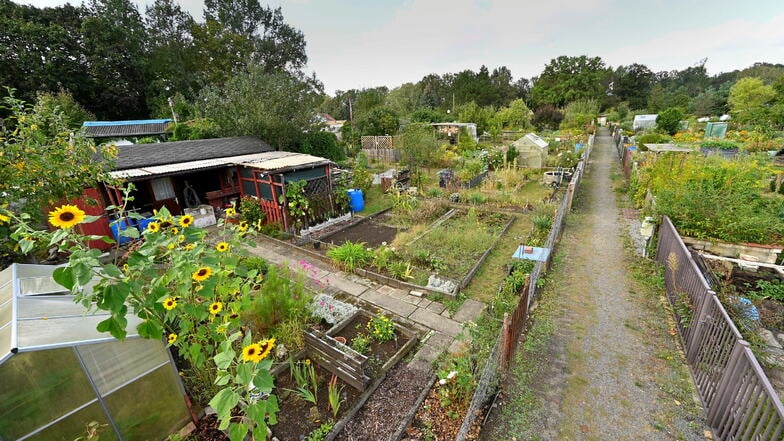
(610, 362)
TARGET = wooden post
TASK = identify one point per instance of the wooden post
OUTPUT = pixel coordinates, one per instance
(505, 343)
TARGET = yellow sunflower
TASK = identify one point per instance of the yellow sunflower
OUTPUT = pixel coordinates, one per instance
(186, 221)
(125, 267)
(66, 216)
(266, 347)
(153, 227)
(202, 274)
(216, 307)
(252, 352)
(189, 247)
(222, 247)
(231, 212)
(175, 230)
(181, 238)
(170, 303)
(4, 218)
(243, 226)
(172, 338)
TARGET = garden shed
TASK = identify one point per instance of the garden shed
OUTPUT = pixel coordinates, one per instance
(531, 150)
(266, 176)
(59, 373)
(644, 122)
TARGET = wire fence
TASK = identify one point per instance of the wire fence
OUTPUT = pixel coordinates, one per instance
(514, 324)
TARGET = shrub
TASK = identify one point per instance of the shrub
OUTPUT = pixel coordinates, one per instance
(251, 212)
(720, 144)
(669, 120)
(547, 117)
(280, 297)
(381, 328)
(351, 255)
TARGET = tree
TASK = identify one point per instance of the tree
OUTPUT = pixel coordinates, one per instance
(379, 121)
(547, 117)
(669, 120)
(322, 144)
(632, 84)
(580, 113)
(276, 107)
(417, 144)
(404, 100)
(471, 112)
(276, 45)
(43, 161)
(567, 79)
(71, 112)
(516, 116)
(114, 40)
(748, 98)
(426, 115)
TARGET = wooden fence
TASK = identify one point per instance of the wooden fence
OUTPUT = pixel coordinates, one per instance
(273, 213)
(738, 397)
(377, 142)
(382, 155)
(513, 326)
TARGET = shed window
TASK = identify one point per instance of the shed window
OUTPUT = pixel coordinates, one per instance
(163, 189)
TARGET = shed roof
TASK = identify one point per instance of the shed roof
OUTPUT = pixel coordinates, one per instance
(149, 155)
(282, 161)
(37, 313)
(531, 139)
(119, 129)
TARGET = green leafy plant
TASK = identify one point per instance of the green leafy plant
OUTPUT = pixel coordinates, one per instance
(350, 255)
(456, 381)
(304, 375)
(768, 289)
(182, 288)
(401, 270)
(403, 201)
(720, 144)
(334, 392)
(543, 222)
(320, 433)
(298, 203)
(361, 343)
(381, 328)
(278, 297)
(251, 212)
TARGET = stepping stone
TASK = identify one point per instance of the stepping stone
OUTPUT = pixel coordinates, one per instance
(340, 282)
(436, 307)
(397, 306)
(436, 322)
(470, 310)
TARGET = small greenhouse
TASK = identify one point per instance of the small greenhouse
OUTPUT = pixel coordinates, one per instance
(644, 122)
(59, 373)
(531, 150)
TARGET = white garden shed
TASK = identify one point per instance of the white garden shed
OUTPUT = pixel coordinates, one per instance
(644, 122)
(531, 151)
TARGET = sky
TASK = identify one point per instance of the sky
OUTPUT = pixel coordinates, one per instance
(354, 44)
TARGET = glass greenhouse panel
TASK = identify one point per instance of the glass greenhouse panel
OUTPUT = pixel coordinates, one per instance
(116, 363)
(149, 407)
(40, 285)
(74, 426)
(39, 387)
(6, 290)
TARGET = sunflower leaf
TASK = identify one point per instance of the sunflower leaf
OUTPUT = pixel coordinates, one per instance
(150, 329)
(115, 325)
(223, 359)
(237, 431)
(263, 381)
(64, 276)
(223, 402)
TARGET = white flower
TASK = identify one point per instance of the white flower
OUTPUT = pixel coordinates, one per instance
(384, 243)
(451, 375)
(442, 382)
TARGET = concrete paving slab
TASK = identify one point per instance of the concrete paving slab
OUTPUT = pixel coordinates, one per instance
(413, 300)
(436, 322)
(424, 303)
(436, 307)
(393, 292)
(392, 304)
(470, 310)
(355, 289)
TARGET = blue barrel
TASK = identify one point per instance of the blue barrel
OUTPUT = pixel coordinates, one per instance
(117, 226)
(355, 200)
(141, 224)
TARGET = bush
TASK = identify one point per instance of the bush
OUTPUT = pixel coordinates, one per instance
(323, 144)
(669, 120)
(281, 298)
(251, 212)
(720, 144)
(547, 117)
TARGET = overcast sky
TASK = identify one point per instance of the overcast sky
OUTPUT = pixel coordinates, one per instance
(368, 43)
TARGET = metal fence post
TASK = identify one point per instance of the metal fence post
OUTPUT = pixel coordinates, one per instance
(693, 345)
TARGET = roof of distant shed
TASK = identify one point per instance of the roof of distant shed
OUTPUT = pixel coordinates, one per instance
(282, 161)
(119, 129)
(149, 155)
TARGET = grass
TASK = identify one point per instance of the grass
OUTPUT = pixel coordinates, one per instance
(486, 281)
(375, 201)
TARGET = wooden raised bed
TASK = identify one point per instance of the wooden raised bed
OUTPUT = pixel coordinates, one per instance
(342, 361)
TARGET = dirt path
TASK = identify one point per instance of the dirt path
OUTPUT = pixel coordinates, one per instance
(606, 366)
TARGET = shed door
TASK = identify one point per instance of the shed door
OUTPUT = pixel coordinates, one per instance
(163, 191)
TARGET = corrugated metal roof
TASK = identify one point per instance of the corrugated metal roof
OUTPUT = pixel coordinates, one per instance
(272, 161)
(167, 169)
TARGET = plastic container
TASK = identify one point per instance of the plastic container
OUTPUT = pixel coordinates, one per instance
(142, 224)
(117, 226)
(355, 200)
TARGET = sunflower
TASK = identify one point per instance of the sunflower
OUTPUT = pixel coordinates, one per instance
(231, 212)
(172, 338)
(243, 226)
(175, 230)
(153, 227)
(171, 246)
(266, 347)
(170, 303)
(66, 216)
(125, 267)
(216, 307)
(189, 247)
(252, 352)
(4, 218)
(202, 274)
(222, 246)
(181, 238)
(186, 221)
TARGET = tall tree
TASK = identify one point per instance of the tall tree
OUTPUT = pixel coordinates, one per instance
(276, 107)
(404, 100)
(567, 79)
(748, 99)
(170, 64)
(632, 84)
(114, 41)
(276, 45)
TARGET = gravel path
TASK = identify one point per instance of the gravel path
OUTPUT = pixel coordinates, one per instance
(611, 369)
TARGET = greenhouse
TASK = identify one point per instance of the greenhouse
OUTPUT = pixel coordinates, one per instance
(60, 374)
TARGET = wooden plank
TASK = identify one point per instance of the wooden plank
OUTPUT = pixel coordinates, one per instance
(350, 370)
